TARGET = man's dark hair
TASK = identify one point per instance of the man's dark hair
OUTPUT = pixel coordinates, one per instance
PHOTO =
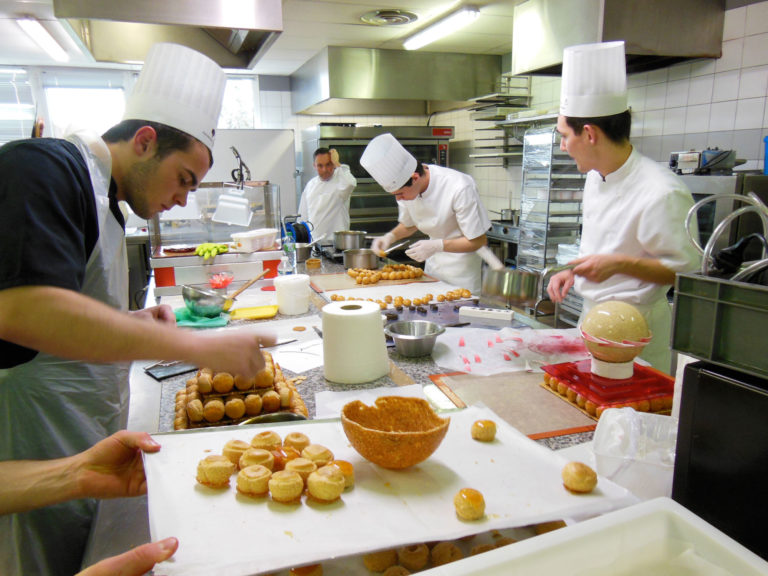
(168, 139)
(615, 127)
(320, 151)
(419, 170)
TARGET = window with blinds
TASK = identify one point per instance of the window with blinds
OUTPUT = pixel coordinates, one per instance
(17, 105)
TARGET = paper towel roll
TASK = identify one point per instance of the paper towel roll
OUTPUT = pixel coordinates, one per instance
(354, 349)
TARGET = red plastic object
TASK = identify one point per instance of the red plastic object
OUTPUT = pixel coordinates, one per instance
(222, 280)
(647, 391)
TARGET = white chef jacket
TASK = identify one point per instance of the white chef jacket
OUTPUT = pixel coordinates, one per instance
(325, 204)
(450, 207)
(638, 210)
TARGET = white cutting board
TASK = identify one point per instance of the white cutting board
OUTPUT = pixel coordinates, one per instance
(222, 532)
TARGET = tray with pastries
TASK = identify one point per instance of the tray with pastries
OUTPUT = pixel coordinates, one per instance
(221, 399)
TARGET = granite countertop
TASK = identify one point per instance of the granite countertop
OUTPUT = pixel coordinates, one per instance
(403, 371)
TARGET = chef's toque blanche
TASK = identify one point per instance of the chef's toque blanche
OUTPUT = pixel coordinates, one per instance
(594, 80)
(388, 162)
(181, 88)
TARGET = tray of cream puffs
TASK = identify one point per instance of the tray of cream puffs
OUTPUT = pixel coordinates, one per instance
(265, 498)
(220, 399)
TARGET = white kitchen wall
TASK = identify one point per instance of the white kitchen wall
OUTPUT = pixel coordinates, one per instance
(704, 103)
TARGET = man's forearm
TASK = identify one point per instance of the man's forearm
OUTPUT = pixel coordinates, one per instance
(70, 325)
(463, 244)
(30, 484)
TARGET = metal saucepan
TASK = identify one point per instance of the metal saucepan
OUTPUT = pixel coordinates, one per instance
(516, 287)
(304, 249)
(348, 240)
(361, 258)
(209, 304)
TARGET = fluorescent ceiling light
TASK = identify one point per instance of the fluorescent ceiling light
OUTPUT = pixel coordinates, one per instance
(42, 38)
(456, 21)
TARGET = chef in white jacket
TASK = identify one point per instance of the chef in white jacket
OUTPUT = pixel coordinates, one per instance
(440, 202)
(325, 200)
(634, 239)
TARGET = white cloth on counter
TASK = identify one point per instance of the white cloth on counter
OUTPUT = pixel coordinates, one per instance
(486, 351)
(328, 404)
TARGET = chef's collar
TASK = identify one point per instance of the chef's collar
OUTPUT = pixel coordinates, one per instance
(624, 170)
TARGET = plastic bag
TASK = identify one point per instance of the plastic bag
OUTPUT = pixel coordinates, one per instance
(636, 450)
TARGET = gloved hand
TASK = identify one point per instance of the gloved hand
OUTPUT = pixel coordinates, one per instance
(381, 243)
(423, 249)
(490, 258)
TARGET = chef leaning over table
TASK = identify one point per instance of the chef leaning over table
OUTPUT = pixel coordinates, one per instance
(440, 202)
(65, 334)
(633, 240)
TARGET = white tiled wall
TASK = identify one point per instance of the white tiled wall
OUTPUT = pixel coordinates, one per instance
(704, 103)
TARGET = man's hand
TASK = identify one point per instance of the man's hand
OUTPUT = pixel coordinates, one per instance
(113, 467)
(162, 313)
(598, 267)
(335, 157)
(423, 249)
(135, 562)
(236, 352)
(559, 284)
(381, 243)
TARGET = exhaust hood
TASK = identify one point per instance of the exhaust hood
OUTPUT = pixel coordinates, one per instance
(233, 33)
(657, 33)
(364, 81)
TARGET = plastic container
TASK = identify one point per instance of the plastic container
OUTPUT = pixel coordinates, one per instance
(255, 240)
(722, 322)
(636, 450)
(284, 268)
(292, 294)
(289, 249)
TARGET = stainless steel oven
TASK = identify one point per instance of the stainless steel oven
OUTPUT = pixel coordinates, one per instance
(372, 209)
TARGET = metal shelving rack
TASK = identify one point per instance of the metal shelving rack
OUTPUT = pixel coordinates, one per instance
(550, 210)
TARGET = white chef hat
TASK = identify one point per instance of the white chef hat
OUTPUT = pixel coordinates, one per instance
(181, 88)
(388, 162)
(594, 80)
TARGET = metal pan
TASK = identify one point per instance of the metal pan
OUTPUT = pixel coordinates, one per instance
(504, 288)
(348, 240)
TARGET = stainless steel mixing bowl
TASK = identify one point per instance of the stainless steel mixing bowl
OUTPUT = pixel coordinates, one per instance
(203, 303)
(414, 338)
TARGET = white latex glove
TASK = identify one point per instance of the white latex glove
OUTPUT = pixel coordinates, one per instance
(381, 243)
(490, 258)
(423, 249)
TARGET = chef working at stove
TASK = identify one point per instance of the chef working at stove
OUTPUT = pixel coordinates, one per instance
(440, 202)
(633, 240)
(65, 334)
(325, 200)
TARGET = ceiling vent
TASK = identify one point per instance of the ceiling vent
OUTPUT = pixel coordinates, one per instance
(389, 17)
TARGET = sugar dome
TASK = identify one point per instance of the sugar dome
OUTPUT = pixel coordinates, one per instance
(615, 331)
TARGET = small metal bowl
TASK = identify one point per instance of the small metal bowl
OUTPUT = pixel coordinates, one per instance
(414, 338)
(203, 303)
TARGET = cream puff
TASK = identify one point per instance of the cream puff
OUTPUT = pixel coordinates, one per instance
(469, 504)
(254, 456)
(579, 478)
(286, 487)
(301, 465)
(253, 480)
(296, 440)
(214, 471)
(326, 484)
(484, 430)
(268, 440)
(445, 552)
(380, 560)
(234, 449)
(413, 557)
(318, 453)
(347, 469)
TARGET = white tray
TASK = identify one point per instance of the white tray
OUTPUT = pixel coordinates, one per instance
(220, 531)
(658, 537)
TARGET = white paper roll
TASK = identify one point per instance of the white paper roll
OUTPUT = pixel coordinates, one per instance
(354, 349)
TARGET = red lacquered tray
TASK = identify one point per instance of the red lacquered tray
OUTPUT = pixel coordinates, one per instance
(647, 391)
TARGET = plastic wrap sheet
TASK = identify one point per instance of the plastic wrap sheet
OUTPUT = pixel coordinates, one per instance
(222, 531)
